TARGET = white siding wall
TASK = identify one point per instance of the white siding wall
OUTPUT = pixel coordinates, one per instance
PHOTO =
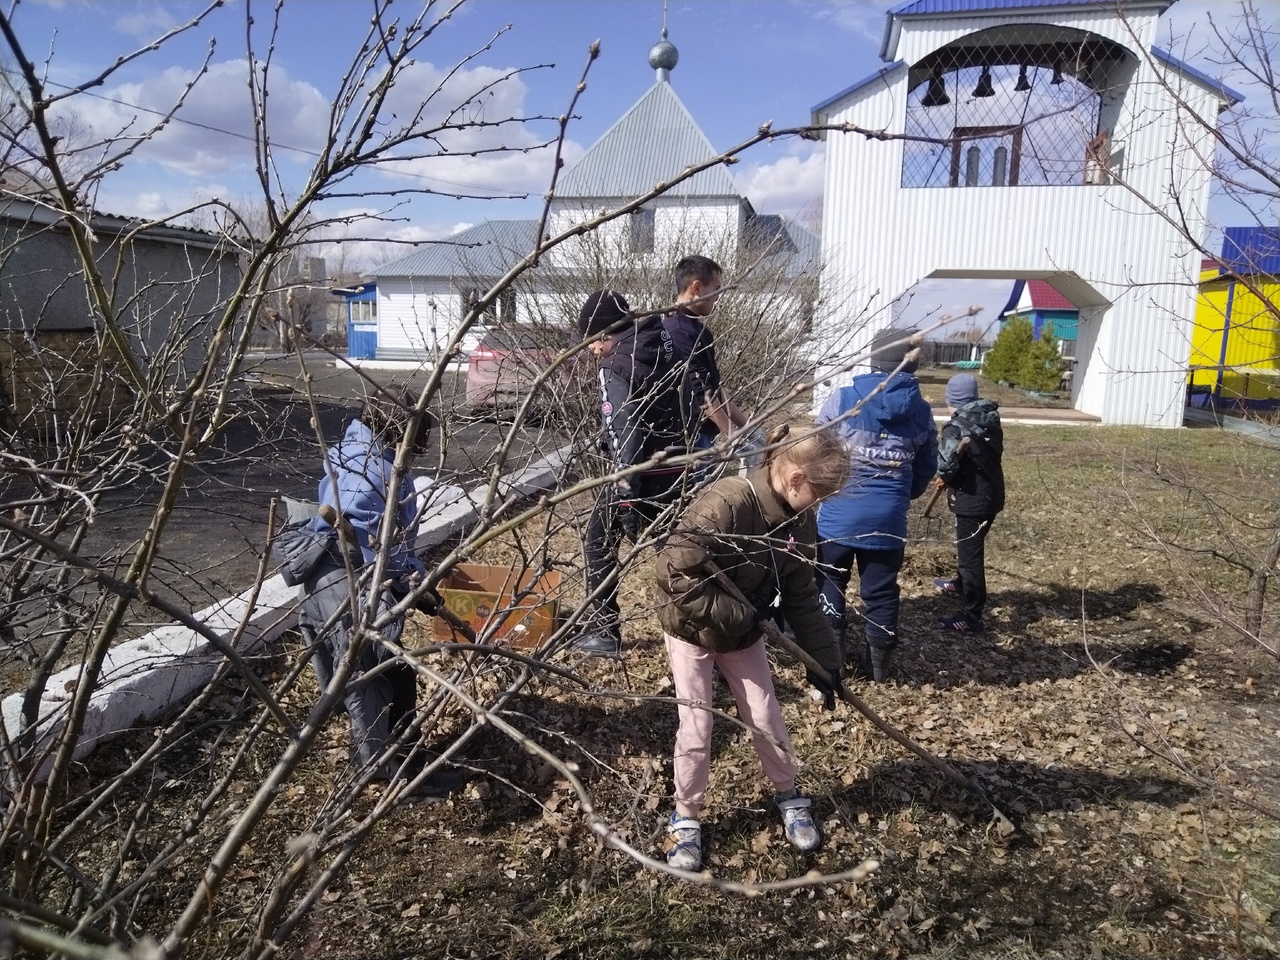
(681, 227)
(415, 317)
(1138, 269)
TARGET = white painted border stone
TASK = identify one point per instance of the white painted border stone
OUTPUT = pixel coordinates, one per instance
(145, 678)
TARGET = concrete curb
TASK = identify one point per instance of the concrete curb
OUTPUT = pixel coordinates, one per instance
(143, 678)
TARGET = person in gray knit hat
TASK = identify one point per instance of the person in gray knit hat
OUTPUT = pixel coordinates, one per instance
(974, 480)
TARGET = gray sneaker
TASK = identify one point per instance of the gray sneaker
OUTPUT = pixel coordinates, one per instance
(798, 824)
(685, 852)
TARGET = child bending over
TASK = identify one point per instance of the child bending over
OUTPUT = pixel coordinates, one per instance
(760, 531)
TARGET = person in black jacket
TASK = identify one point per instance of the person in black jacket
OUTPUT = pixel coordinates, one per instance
(706, 408)
(640, 413)
(974, 480)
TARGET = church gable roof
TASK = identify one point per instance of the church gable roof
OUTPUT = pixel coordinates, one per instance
(652, 142)
(487, 250)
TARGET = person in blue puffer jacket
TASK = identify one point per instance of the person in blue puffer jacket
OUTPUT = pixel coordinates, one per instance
(380, 696)
(893, 455)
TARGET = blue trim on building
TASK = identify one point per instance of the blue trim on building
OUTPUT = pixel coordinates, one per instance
(1217, 86)
(362, 335)
(880, 74)
(925, 7)
(1251, 250)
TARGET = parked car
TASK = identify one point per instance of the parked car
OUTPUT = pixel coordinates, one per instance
(504, 365)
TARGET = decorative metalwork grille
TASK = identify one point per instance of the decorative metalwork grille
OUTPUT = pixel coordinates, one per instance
(1017, 105)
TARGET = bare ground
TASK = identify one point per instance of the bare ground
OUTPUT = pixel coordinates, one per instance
(1129, 733)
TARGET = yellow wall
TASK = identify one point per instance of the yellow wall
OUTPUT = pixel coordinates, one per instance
(1253, 337)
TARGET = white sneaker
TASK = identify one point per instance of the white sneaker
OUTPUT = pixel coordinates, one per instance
(798, 823)
(685, 852)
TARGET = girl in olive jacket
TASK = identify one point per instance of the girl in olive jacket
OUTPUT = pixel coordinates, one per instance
(760, 531)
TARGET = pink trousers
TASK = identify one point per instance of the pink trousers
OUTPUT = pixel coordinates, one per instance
(747, 673)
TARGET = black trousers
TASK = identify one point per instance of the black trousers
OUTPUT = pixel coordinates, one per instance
(877, 586)
(971, 564)
(653, 494)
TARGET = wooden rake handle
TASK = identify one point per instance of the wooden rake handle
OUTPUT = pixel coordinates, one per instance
(939, 486)
(780, 639)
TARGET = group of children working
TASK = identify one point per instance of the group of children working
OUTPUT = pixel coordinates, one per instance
(741, 551)
(749, 549)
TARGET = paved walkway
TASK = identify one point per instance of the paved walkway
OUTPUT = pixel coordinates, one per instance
(1036, 415)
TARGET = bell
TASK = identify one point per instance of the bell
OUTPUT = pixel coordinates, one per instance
(984, 87)
(936, 95)
(1023, 84)
(1057, 73)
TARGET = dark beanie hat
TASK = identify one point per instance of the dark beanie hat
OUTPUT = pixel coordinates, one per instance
(602, 310)
(962, 389)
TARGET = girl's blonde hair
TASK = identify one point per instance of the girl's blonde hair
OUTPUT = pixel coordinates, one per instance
(816, 450)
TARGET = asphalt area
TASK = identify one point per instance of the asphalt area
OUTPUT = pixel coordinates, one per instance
(213, 543)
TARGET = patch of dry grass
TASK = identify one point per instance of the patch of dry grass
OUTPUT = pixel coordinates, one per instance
(1122, 727)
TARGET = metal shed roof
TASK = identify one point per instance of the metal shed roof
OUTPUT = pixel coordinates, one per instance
(1252, 250)
(652, 142)
(486, 250)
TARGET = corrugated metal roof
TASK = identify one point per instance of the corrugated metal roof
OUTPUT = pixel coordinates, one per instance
(653, 141)
(1217, 86)
(880, 75)
(1045, 297)
(486, 250)
(1251, 250)
(808, 248)
(935, 8)
(924, 7)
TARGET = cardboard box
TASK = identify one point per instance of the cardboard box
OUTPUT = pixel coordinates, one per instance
(477, 593)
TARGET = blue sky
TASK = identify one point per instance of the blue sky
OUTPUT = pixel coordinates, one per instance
(742, 62)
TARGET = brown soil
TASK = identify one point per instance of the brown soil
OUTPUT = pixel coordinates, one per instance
(1128, 733)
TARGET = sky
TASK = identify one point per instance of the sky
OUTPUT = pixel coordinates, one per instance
(742, 63)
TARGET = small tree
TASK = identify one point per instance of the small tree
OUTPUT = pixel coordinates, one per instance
(1005, 359)
(1042, 363)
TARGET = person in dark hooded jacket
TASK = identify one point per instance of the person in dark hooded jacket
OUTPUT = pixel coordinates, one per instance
(974, 480)
(640, 413)
(893, 446)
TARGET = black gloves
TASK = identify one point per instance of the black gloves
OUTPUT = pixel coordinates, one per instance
(765, 606)
(824, 687)
(625, 513)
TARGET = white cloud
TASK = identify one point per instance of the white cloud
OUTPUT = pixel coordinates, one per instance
(790, 185)
(479, 145)
(212, 132)
(864, 18)
(146, 23)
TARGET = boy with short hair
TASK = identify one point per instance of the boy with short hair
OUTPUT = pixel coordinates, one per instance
(706, 407)
(974, 480)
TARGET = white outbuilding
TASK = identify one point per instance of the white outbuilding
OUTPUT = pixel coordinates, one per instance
(1031, 139)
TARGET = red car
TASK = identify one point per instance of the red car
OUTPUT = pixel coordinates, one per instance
(504, 365)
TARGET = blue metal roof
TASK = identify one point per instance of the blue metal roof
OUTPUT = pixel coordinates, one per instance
(934, 8)
(1217, 86)
(1251, 250)
(881, 74)
(487, 250)
(654, 141)
(924, 7)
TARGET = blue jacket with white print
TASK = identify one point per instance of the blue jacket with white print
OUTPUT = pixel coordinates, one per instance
(893, 453)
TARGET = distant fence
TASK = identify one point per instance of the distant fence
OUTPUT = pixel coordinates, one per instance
(948, 352)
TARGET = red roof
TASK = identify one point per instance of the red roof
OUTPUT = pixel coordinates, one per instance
(1044, 297)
